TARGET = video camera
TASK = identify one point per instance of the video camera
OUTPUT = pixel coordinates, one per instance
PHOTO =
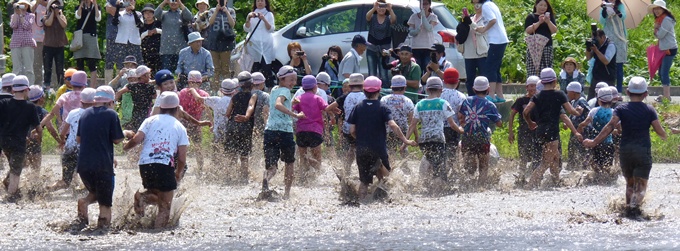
(593, 39)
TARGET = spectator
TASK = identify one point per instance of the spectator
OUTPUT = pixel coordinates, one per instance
(298, 60)
(612, 20)
(90, 51)
(493, 26)
(410, 70)
(664, 31)
(604, 51)
(331, 61)
(261, 46)
(380, 37)
(55, 40)
(22, 43)
(151, 38)
(175, 22)
(540, 22)
(200, 20)
(436, 69)
(350, 63)
(570, 72)
(220, 41)
(420, 28)
(466, 40)
(194, 58)
(112, 7)
(128, 39)
(39, 9)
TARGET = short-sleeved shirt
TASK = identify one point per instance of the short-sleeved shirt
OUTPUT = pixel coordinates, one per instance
(424, 39)
(16, 118)
(68, 102)
(262, 100)
(497, 33)
(518, 107)
(219, 106)
(432, 113)
(142, 94)
(97, 129)
(73, 120)
(279, 121)
(352, 99)
(411, 71)
(455, 99)
(548, 109)
(542, 29)
(636, 118)
(400, 106)
(312, 106)
(319, 92)
(369, 118)
(212, 41)
(163, 134)
(189, 103)
(601, 117)
(479, 113)
(581, 102)
(349, 64)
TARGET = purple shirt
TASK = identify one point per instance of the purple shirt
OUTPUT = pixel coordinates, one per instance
(312, 106)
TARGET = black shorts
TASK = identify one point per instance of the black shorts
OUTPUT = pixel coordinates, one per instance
(546, 134)
(239, 139)
(278, 145)
(528, 148)
(158, 176)
(433, 153)
(368, 161)
(308, 139)
(603, 155)
(452, 139)
(100, 184)
(636, 161)
(69, 162)
(348, 141)
(16, 155)
(474, 144)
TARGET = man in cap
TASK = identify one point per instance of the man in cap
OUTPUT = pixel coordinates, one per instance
(172, 38)
(438, 63)
(410, 70)
(432, 112)
(161, 168)
(635, 150)
(527, 146)
(278, 134)
(350, 63)
(98, 130)
(69, 158)
(548, 104)
(17, 115)
(68, 101)
(401, 108)
(354, 97)
(367, 126)
(194, 58)
(577, 154)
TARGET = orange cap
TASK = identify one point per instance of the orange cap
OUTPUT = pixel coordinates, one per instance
(69, 72)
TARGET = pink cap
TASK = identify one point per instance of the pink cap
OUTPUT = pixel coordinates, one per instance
(195, 76)
(372, 84)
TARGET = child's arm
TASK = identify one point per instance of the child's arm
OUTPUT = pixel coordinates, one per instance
(527, 116)
(197, 96)
(659, 129)
(571, 110)
(181, 162)
(282, 108)
(53, 113)
(395, 128)
(565, 119)
(230, 109)
(412, 127)
(53, 132)
(121, 92)
(454, 126)
(62, 135)
(584, 124)
(353, 130)
(249, 112)
(136, 140)
(511, 134)
(590, 143)
(192, 120)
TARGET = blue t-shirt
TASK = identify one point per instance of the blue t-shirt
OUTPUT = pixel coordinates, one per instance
(369, 118)
(636, 118)
(601, 117)
(279, 121)
(586, 109)
(479, 113)
(97, 129)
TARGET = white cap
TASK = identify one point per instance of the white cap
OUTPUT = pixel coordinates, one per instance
(35, 92)
(104, 94)
(574, 87)
(19, 83)
(615, 92)
(323, 77)
(258, 78)
(87, 95)
(605, 95)
(7, 79)
(142, 69)
(600, 85)
(356, 79)
(194, 76)
(637, 85)
(481, 84)
(533, 80)
(228, 86)
(169, 100)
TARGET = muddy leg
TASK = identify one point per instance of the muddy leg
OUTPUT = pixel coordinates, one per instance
(288, 179)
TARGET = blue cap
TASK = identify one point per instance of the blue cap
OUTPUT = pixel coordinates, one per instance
(162, 76)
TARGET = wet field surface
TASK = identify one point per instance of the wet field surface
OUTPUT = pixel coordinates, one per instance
(216, 215)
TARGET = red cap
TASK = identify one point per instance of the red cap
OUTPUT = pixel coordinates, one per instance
(451, 76)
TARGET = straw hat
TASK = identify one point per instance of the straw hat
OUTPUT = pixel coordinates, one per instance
(570, 60)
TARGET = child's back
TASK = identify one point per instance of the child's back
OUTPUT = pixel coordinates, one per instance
(312, 106)
(548, 108)
(400, 106)
(479, 113)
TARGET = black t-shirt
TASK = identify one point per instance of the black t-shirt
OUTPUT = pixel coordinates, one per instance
(142, 96)
(239, 104)
(97, 129)
(341, 104)
(542, 29)
(547, 110)
(636, 118)
(151, 43)
(518, 107)
(16, 119)
(369, 118)
(91, 25)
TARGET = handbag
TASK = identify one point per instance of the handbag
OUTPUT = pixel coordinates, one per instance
(481, 44)
(77, 41)
(246, 60)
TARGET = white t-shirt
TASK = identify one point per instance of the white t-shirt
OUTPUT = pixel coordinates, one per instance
(400, 106)
(424, 39)
(72, 120)
(352, 100)
(219, 106)
(319, 92)
(496, 34)
(163, 135)
(455, 99)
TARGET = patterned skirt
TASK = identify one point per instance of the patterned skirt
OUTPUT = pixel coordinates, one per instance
(546, 61)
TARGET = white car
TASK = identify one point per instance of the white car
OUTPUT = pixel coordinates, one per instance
(338, 23)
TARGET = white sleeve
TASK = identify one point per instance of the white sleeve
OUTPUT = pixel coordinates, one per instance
(183, 138)
(487, 12)
(211, 101)
(592, 112)
(70, 117)
(145, 127)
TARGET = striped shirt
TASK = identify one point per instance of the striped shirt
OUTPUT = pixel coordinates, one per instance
(22, 35)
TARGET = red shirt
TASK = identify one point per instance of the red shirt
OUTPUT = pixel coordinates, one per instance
(189, 103)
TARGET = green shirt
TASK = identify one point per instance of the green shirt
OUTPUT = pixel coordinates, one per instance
(411, 72)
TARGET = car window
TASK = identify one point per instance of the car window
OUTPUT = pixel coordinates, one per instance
(334, 22)
(445, 17)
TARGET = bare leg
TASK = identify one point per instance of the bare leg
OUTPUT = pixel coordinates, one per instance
(639, 190)
(667, 92)
(349, 159)
(363, 191)
(316, 158)
(82, 206)
(483, 169)
(630, 189)
(164, 204)
(549, 150)
(304, 161)
(13, 186)
(93, 79)
(492, 89)
(245, 165)
(499, 90)
(104, 220)
(268, 175)
(470, 163)
(288, 178)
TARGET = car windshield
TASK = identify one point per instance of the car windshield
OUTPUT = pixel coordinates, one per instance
(445, 17)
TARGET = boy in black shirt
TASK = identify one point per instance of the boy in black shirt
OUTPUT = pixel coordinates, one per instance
(17, 116)
(548, 104)
(526, 139)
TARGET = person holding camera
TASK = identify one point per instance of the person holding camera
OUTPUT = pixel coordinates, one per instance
(175, 30)
(330, 63)
(664, 31)
(128, 39)
(22, 43)
(541, 22)
(298, 60)
(55, 41)
(380, 18)
(200, 21)
(612, 20)
(151, 38)
(90, 51)
(260, 24)
(220, 40)
(39, 9)
(421, 27)
(604, 52)
(438, 63)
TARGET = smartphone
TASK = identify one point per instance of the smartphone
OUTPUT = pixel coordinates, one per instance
(547, 15)
(465, 12)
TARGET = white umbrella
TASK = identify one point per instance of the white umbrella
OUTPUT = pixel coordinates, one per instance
(636, 10)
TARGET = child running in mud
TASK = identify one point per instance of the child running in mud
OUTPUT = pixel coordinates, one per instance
(603, 153)
(401, 109)
(635, 157)
(34, 145)
(163, 158)
(354, 97)
(98, 131)
(367, 125)
(69, 145)
(455, 99)
(239, 133)
(548, 104)
(309, 130)
(526, 139)
(68, 101)
(219, 106)
(17, 115)
(478, 113)
(142, 94)
(262, 106)
(278, 134)
(578, 155)
(195, 109)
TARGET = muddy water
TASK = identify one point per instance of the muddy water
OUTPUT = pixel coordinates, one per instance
(217, 216)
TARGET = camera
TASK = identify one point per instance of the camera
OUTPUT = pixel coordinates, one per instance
(300, 53)
(593, 40)
(395, 71)
(607, 4)
(221, 3)
(173, 1)
(21, 6)
(56, 6)
(382, 5)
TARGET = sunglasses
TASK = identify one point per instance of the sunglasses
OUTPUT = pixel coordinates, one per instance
(68, 79)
